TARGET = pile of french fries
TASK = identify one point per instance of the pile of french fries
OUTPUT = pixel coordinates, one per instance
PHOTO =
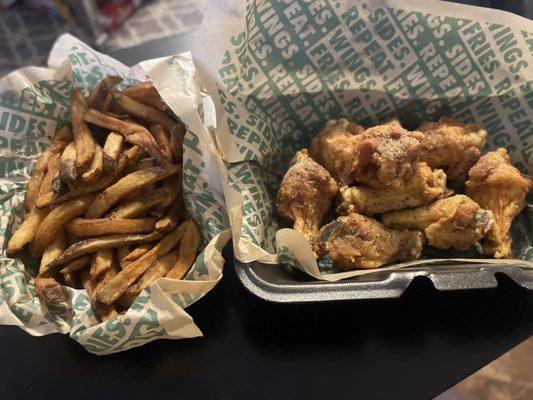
(104, 205)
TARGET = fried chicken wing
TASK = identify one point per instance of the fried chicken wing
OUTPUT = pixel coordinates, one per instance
(456, 221)
(387, 155)
(335, 148)
(452, 145)
(498, 186)
(422, 188)
(305, 195)
(356, 241)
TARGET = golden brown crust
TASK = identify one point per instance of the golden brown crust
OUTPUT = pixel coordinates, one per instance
(498, 186)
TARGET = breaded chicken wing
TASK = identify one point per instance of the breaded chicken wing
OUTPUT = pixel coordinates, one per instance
(452, 145)
(456, 221)
(355, 241)
(422, 188)
(387, 156)
(305, 195)
(335, 148)
(498, 186)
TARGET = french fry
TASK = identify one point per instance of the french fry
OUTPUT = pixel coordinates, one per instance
(155, 271)
(102, 261)
(144, 112)
(83, 138)
(71, 279)
(118, 285)
(27, 230)
(137, 252)
(114, 193)
(172, 188)
(97, 165)
(62, 138)
(54, 249)
(121, 253)
(140, 205)
(177, 134)
(34, 184)
(52, 172)
(162, 137)
(56, 219)
(102, 311)
(49, 290)
(134, 154)
(188, 249)
(134, 133)
(67, 170)
(77, 264)
(113, 145)
(146, 93)
(173, 217)
(105, 181)
(146, 163)
(101, 96)
(87, 246)
(105, 226)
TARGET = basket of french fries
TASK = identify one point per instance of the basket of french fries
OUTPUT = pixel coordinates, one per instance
(102, 239)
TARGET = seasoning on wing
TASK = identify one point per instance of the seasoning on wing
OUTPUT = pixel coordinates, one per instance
(356, 241)
(499, 187)
(456, 221)
(335, 148)
(305, 195)
(422, 188)
(452, 145)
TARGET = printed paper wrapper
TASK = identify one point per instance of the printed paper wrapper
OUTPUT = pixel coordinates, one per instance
(33, 101)
(280, 69)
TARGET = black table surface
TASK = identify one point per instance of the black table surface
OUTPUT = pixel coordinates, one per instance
(413, 347)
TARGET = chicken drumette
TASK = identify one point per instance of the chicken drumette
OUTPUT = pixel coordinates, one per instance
(422, 188)
(305, 195)
(335, 148)
(452, 145)
(356, 241)
(498, 186)
(456, 221)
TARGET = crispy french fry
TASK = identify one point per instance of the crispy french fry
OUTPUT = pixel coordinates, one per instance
(188, 249)
(49, 290)
(56, 219)
(77, 264)
(114, 193)
(177, 134)
(62, 138)
(113, 145)
(102, 261)
(105, 226)
(87, 246)
(172, 188)
(27, 230)
(144, 112)
(34, 184)
(134, 133)
(155, 271)
(97, 165)
(71, 279)
(102, 311)
(102, 94)
(138, 251)
(118, 285)
(162, 137)
(121, 253)
(147, 163)
(54, 249)
(47, 184)
(146, 93)
(140, 205)
(134, 154)
(105, 181)
(82, 135)
(173, 217)
(67, 170)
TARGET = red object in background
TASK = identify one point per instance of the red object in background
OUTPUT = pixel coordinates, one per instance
(113, 13)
